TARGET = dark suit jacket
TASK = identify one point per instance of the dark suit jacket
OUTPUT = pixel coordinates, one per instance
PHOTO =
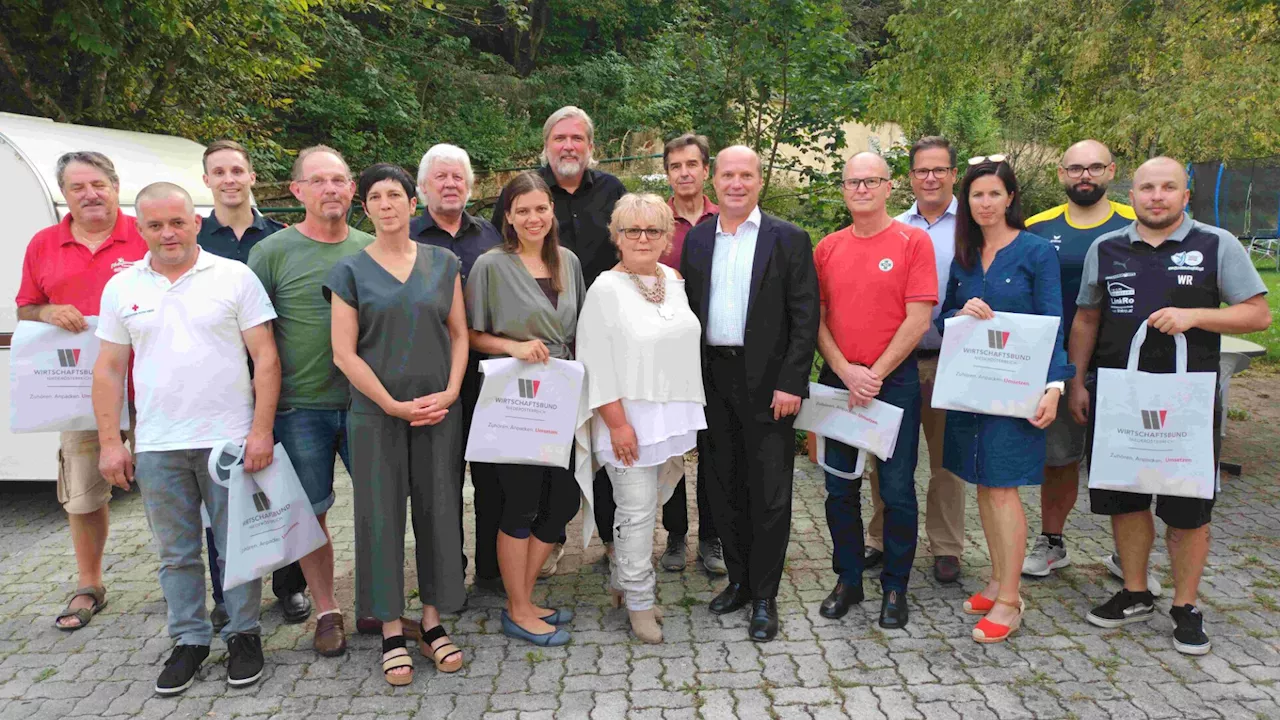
(782, 312)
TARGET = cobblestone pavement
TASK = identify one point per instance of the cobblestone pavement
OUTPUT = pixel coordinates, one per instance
(1058, 666)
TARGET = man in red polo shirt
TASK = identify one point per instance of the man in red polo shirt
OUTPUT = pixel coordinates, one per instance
(63, 273)
(878, 285)
(687, 160)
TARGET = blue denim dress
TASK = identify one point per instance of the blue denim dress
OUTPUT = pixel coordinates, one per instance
(992, 450)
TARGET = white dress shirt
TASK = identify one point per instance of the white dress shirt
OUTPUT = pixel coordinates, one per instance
(731, 263)
(943, 234)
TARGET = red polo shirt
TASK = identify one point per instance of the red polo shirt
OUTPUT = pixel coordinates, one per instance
(674, 253)
(59, 270)
(866, 283)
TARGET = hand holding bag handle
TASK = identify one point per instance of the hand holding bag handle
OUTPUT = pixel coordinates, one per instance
(1179, 342)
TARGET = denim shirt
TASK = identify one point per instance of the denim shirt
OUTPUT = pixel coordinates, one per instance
(1023, 278)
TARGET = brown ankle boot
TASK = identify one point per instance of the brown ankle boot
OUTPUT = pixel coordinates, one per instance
(644, 624)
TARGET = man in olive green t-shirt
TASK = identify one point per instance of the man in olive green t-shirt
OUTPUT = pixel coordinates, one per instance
(312, 417)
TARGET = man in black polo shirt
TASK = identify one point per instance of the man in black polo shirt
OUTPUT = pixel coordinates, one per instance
(445, 180)
(231, 231)
(583, 200)
(1174, 274)
(234, 226)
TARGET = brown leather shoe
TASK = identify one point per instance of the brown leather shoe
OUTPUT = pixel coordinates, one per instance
(331, 635)
(946, 568)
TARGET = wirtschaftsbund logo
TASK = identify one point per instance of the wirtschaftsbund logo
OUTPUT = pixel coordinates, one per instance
(1154, 419)
(997, 339)
(527, 394)
(529, 388)
(261, 501)
(69, 358)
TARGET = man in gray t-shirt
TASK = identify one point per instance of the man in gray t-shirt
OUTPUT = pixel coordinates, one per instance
(1173, 274)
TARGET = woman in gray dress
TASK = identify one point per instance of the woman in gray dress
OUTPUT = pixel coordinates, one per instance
(400, 336)
(522, 300)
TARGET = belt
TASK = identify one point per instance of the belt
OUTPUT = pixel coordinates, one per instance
(726, 351)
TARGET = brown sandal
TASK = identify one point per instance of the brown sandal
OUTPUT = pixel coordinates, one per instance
(439, 655)
(394, 655)
(84, 615)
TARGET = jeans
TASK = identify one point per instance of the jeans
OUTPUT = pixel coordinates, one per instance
(635, 492)
(897, 488)
(312, 438)
(173, 484)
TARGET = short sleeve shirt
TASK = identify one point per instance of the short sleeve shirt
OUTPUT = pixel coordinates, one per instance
(475, 237)
(1072, 242)
(221, 240)
(865, 283)
(59, 270)
(403, 326)
(293, 268)
(504, 299)
(191, 370)
(1198, 266)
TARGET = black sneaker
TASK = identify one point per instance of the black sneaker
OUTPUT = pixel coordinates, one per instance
(1123, 608)
(180, 669)
(244, 665)
(1188, 634)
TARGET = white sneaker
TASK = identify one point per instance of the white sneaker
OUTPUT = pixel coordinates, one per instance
(1112, 562)
(1045, 558)
(553, 560)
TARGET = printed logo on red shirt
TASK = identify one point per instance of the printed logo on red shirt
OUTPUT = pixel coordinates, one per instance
(886, 265)
(121, 264)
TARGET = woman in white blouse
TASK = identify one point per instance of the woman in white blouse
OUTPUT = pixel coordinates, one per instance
(639, 342)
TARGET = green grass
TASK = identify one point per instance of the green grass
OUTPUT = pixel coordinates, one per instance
(1269, 338)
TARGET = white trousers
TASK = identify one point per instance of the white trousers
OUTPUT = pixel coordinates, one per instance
(636, 494)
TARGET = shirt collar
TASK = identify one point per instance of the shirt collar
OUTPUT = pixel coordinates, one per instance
(951, 210)
(69, 237)
(429, 222)
(204, 261)
(1184, 229)
(259, 222)
(753, 219)
(708, 208)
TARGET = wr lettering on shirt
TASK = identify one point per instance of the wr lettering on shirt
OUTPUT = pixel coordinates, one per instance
(1184, 279)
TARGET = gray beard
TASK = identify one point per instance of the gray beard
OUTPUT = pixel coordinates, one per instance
(569, 168)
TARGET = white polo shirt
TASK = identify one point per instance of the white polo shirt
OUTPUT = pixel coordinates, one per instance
(191, 369)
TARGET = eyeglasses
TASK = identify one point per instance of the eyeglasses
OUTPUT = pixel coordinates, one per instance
(997, 158)
(924, 173)
(321, 182)
(1075, 171)
(635, 233)
(872, 182)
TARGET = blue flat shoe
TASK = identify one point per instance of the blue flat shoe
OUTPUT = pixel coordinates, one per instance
(556, 638)
(560, 616)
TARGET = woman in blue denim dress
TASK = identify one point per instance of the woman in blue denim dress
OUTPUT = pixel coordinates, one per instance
(999, 266)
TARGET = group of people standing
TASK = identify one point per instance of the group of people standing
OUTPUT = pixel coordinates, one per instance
(696, 325)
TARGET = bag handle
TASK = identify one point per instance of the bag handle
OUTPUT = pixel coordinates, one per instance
(1179, 343)
(215, 461)
(822, 457)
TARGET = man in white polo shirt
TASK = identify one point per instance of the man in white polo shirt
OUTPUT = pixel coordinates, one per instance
(192, 320)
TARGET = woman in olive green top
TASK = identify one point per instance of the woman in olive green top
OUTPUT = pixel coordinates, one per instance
(522, 301)
(400, 337)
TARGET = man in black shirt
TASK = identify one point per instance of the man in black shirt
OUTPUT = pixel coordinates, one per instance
(231, 231)
(583, 200)
(445, 180)
(1173, 274)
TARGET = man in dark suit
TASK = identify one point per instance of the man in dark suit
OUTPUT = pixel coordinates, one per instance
(751, 281)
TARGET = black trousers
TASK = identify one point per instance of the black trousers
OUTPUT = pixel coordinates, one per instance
(752, 460)
(675, 514)
(487, 502)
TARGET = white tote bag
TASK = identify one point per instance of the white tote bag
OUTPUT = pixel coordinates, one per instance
(1153, 432)
(997, 366)
(874, 428)
(526, 413)
(269, 519)
(51, 378)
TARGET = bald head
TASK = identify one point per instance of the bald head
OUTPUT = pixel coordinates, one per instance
(162, 191)
(737, 181)
(1087, 152)
(1159, 193)
(867, 162)
(1161, 167)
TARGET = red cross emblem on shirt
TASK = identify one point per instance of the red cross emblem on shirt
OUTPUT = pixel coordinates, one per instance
(135, 308)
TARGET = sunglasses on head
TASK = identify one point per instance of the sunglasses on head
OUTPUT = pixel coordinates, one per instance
(997, 158)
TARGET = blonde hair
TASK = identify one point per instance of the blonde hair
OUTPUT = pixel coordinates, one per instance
(634, 207)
